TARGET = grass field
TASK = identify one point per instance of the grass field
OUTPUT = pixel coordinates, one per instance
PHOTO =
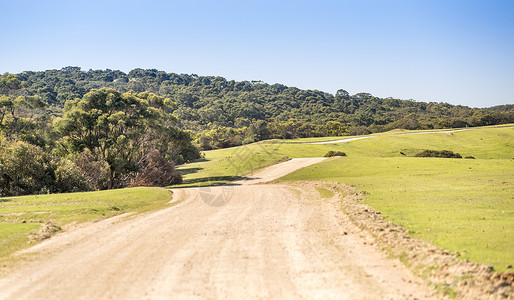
(20, 217)
(464, 205)
(228, 164)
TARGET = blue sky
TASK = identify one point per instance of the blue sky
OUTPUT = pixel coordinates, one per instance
(460, 52)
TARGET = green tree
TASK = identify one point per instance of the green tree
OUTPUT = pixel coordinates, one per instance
(119, 128)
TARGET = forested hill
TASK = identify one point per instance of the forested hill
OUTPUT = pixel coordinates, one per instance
(207, 102)
(70, 130)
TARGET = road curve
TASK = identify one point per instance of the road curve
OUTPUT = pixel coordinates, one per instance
(261, 242)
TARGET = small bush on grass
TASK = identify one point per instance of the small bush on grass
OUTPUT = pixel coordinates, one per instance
(436, 153)
(335, 153)
(156, 171)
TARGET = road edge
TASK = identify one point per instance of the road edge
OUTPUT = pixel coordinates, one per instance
(440, 269)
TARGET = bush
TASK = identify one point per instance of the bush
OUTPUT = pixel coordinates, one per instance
(436, 153)
(469, 157)
(24, 169)
(96, 172)
(28, 169)
(335, 153)
(156, 171)
(69, 178)
(359, 130)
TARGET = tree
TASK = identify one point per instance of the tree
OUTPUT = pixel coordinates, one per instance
(28, 169)
(257, 131)
(17, 111)
(9, 84)
(342, 95)
(334, 128)
(115, 127)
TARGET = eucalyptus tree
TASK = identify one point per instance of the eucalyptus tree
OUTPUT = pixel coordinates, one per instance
(118, 128)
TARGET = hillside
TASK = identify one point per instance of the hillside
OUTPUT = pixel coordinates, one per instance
(206, 102)
(68, 122)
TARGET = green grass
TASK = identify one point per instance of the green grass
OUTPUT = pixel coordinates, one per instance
(22, 216)
(221, 166)
(458, 204)
(324, 193)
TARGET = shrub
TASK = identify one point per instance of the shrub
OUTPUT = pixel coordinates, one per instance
(469, 157)
(156, 171)
(436, 153)
(69, 178)
(96, 172)
(359, 130)
(29, 169)
(23, 169)
(334, 153)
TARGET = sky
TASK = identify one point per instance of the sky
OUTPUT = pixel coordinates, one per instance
(460, 52)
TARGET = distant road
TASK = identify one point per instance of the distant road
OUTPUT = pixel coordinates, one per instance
(370, 136)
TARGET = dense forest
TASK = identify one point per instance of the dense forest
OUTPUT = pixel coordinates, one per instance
(65, 130)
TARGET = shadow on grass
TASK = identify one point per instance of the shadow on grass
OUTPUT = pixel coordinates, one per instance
(186, 171)
(199, 160)
(5, 200)
(207, 181)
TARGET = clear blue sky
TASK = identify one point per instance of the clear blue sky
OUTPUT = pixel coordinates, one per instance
(461, 52)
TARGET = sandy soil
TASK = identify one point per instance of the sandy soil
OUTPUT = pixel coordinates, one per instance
(264, 241)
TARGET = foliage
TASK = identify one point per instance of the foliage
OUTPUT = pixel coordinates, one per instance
(156, 171)
(209, 102)
(24, 169)
(95, 171)
(437, 153)
(118, 128)
(28, 169)
(119, 117)
(334, 153)
(70, 178)
(92, 142)
(19, 116)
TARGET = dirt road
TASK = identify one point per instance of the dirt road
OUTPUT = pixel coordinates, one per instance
(265, 241)
(346, 140)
